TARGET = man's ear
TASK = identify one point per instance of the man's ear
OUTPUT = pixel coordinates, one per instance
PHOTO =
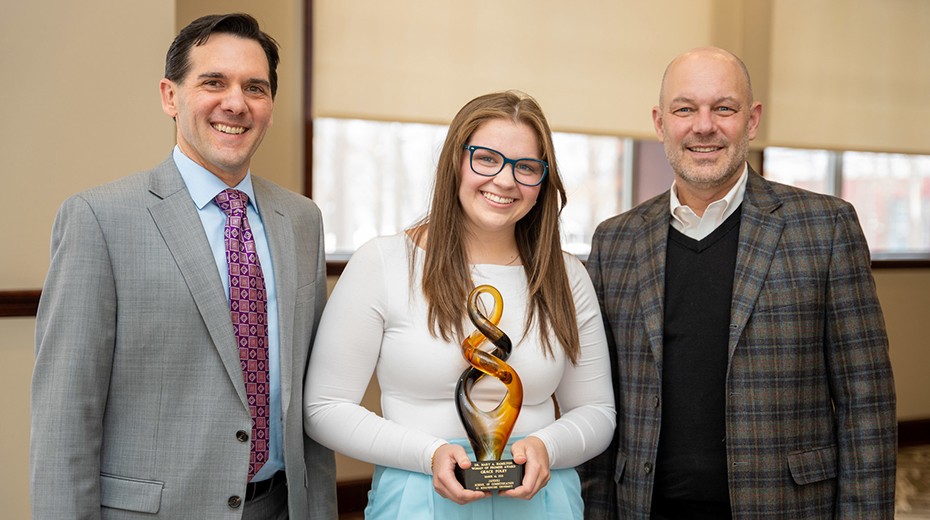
(169, 97)
(755, 115)
(657, 121)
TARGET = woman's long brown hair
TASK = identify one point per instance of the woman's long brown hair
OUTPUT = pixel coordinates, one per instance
(446, 278)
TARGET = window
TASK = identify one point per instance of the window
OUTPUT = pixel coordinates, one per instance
(375, 178)
(371, 178)
(808, 169)
(891, 192)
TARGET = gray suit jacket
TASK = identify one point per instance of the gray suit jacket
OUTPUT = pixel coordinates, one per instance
(137, 394)
(810, 411)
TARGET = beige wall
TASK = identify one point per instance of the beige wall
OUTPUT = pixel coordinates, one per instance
(593, 65)
(83, 108)
(905, 299)
(837, 74)
(850, 74)
(17, 354)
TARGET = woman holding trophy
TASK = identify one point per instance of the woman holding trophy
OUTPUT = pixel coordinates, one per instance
(531, 384)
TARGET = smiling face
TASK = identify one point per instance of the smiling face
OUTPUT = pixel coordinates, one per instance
(493, 205)
(223, 106)
(706, 119)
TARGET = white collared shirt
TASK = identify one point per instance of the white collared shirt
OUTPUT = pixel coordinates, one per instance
(693, 226)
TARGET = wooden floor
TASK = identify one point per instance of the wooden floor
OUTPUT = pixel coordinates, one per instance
(912, 486)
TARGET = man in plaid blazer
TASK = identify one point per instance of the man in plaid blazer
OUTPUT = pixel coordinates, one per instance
(780, 406)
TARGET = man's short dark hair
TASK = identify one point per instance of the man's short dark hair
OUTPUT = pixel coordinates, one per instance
(177, 63)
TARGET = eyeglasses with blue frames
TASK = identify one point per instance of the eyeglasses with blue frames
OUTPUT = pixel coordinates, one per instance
(487, 162)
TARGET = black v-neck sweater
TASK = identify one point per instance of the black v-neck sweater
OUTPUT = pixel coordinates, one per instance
(691, 465)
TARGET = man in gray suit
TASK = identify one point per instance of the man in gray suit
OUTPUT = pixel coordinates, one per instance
(749, 355)
(146, 400)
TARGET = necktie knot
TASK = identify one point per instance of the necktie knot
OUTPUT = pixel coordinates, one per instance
(232, 202)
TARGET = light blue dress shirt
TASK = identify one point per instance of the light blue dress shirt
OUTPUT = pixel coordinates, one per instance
(203, 187)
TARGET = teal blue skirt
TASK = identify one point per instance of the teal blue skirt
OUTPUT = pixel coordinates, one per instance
(397, 493)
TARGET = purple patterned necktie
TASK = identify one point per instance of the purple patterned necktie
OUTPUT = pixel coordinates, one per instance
(247, 304)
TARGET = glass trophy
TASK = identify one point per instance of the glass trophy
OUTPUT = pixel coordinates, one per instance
(488, 431)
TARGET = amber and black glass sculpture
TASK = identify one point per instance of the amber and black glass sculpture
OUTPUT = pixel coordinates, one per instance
(488, 431)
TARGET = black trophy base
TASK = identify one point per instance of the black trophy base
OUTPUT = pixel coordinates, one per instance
(490, 475)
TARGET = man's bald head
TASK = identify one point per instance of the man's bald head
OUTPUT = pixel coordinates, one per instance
(707, 52)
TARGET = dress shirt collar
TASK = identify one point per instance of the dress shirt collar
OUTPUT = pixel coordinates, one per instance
(691, 225)
(204, 186)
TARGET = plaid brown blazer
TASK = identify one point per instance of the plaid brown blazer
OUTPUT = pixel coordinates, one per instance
(810, 412)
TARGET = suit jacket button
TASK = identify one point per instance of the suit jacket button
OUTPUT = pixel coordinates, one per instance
(234, 501)
(647, 467)
(242, 435)
(655, 401)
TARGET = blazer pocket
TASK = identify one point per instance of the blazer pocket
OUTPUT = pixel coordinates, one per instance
(790, 296)
(813, 465)
(621, 464)
(130, 494)
(306, 300)
(306, 292)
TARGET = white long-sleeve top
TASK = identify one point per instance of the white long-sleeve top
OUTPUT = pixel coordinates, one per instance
(376, 320)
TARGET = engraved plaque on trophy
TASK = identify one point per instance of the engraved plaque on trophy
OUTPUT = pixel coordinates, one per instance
(488, 431)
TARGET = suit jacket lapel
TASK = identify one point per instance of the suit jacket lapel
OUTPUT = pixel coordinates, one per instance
(174, 214)
(651, 245)
(279, 232)
(760, 230)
